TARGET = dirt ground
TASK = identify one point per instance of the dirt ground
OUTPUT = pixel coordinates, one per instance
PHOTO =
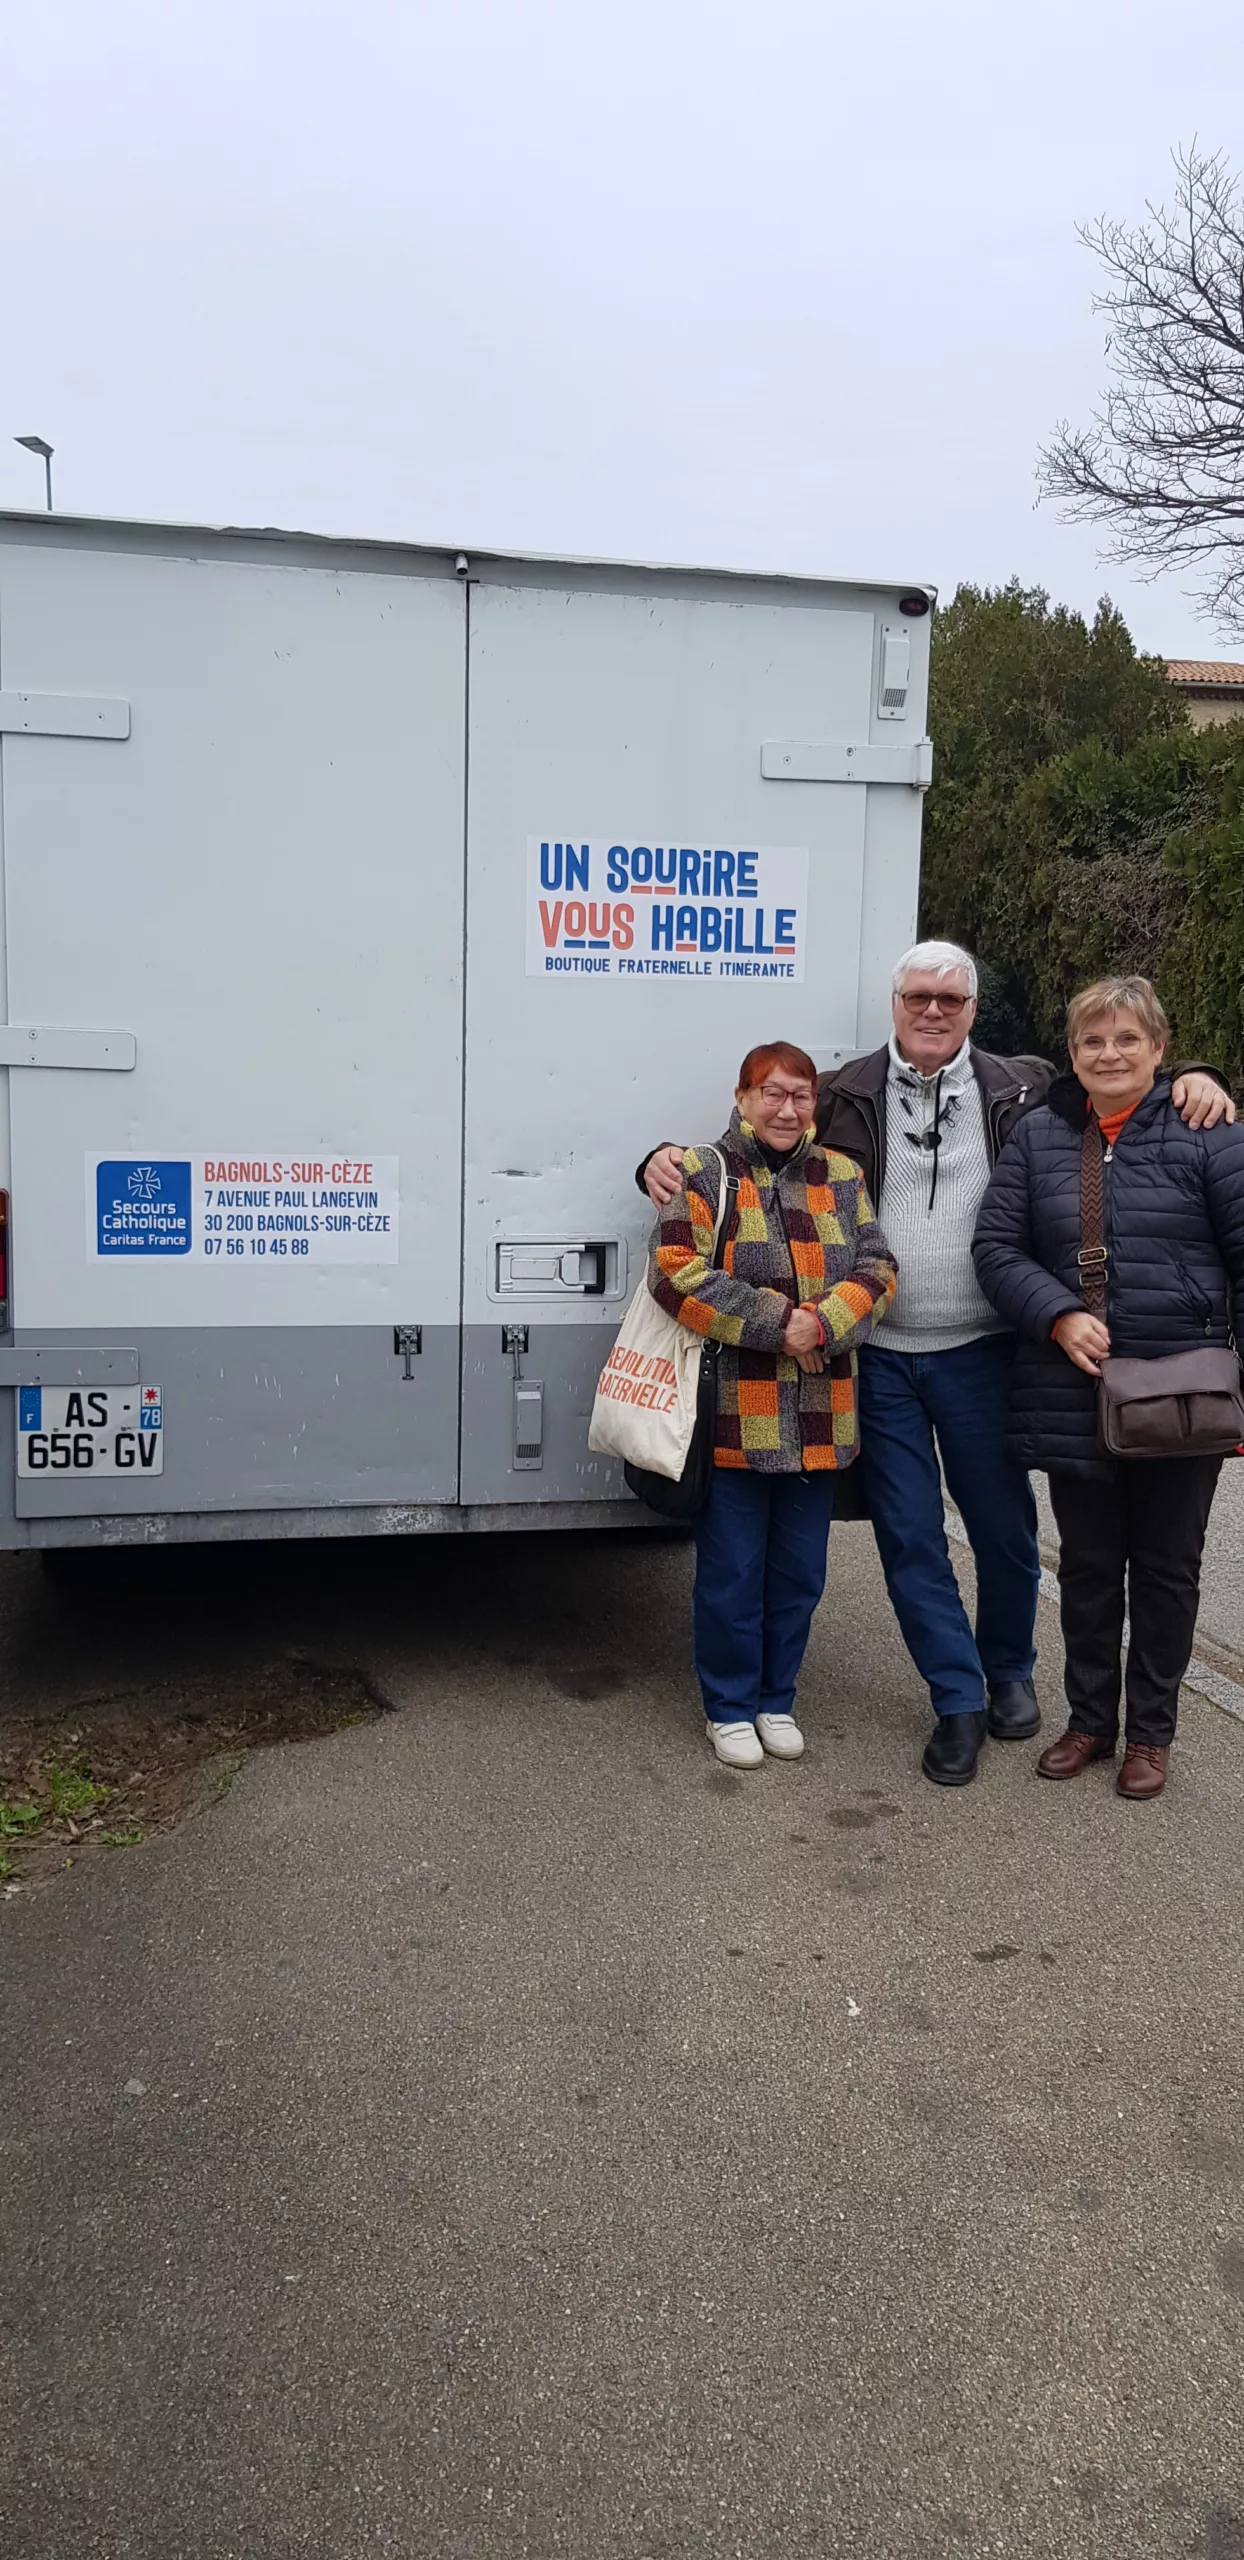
(109, 1773)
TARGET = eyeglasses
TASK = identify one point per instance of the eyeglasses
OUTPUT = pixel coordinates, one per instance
(919, 1001)
(1126, 1042)
(775, 1095)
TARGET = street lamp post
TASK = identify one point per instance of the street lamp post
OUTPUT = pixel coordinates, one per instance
(35, 444)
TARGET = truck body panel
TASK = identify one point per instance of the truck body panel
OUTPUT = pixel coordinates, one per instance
(375, 916)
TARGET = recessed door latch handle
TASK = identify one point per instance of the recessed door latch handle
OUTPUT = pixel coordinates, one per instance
(407, 1345)
(549, 1268)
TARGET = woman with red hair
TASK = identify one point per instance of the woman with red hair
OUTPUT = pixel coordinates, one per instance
(801, 1276)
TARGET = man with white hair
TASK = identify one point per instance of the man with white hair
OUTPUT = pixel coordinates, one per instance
(925, 1117)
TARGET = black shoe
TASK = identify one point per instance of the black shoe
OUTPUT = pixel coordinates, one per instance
(953, 1749)
(1013, 1714)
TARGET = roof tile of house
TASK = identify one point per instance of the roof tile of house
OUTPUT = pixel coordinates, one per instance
(1218, 672)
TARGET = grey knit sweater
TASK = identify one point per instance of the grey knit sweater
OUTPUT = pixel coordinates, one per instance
(928, 1205)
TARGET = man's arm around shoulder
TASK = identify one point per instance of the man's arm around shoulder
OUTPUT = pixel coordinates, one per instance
(1200, 1094)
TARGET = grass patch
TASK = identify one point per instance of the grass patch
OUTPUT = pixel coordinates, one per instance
(73, 1791)
(123, 1839)
(17, 1819)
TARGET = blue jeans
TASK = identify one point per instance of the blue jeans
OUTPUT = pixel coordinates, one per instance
(759, 1571)
(911, 1405)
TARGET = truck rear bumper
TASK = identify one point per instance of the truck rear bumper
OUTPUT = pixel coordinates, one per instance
(340, 1520)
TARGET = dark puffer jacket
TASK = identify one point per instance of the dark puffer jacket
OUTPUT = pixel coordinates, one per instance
(1175, 1235)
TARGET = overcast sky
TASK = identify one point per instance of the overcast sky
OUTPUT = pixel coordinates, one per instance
(762, 283)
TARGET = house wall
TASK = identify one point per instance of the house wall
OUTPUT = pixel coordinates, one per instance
(1213, 710)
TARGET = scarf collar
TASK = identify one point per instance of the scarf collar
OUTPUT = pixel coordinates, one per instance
(742, 1137)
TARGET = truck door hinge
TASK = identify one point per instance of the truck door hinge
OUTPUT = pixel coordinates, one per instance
(407, 1345)
(63, 715)
(41, 1044)
(826, 760)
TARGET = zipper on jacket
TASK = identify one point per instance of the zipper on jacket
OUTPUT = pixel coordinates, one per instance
(1107, 1222)
(1197, 1302)
(994, 1114)
(774, 1179)
(777, 1202)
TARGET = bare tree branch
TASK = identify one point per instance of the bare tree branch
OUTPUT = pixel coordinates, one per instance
(1162, 463)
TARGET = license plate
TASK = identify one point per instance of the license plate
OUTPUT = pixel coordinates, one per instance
(90, 1431)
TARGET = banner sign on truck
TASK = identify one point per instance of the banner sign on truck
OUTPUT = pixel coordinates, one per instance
(238, 1210)
(639, 911)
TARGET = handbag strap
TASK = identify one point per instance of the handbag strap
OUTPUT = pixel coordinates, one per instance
(1094, 1254)
(727, 1183)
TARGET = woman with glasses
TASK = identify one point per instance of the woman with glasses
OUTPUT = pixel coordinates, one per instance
(800, 1277)
(1109, 1153)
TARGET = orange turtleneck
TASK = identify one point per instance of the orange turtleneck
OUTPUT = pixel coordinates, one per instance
(1110, 1122)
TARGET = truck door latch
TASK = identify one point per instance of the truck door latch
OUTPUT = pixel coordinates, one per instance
(407, 1344)
(514, 1341)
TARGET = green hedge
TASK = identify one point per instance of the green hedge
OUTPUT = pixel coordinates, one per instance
(1078, 824)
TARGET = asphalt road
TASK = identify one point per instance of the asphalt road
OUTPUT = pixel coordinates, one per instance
(498, 2131)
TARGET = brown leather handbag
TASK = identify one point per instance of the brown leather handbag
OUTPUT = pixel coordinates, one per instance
(1188, 1405)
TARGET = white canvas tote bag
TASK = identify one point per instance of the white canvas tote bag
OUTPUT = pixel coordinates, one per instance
(646, 1400)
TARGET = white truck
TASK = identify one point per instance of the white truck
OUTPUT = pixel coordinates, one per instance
(367, 911)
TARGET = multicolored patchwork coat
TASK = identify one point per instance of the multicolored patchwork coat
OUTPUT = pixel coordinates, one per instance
(804, 1236)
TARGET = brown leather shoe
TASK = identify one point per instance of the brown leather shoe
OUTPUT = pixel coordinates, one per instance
(1143, 1772)
(1072, 1752)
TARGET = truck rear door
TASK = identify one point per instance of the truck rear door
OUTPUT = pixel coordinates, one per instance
(642, 904)
(233, 856)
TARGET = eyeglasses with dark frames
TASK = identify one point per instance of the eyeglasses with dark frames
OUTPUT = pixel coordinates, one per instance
(921, 998)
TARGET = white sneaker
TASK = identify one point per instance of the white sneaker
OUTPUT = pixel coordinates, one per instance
(780, 1735)
(737, 1744)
